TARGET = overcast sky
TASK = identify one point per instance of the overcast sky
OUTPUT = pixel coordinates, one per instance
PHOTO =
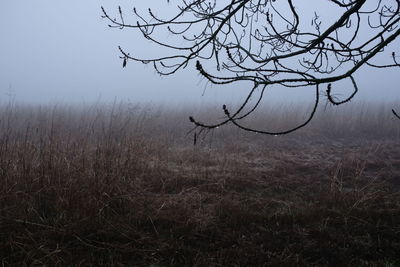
(62, 51)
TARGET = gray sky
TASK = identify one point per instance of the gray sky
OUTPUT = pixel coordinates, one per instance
(62, 51)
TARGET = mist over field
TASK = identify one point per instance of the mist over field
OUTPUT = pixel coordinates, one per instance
(63, 52)
(102, 165)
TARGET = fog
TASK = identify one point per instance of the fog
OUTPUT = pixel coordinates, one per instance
(64, 52)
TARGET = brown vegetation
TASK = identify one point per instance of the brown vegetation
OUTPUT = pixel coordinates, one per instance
(123, 185)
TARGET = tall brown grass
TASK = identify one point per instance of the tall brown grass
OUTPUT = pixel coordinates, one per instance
(123, 185)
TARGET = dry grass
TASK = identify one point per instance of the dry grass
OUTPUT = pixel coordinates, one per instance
(122, 185)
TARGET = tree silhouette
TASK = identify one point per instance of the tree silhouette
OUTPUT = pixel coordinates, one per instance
(269, 42)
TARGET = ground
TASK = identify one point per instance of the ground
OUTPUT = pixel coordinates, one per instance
(123, 186)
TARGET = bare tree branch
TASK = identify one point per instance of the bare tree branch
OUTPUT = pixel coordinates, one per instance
(268, 42)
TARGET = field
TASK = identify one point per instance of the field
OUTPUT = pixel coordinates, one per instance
(124, 185)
